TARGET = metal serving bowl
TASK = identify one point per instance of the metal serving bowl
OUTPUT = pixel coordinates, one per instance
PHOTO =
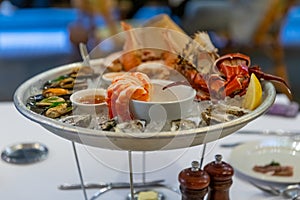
(134, 142)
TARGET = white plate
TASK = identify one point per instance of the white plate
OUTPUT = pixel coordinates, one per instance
(285, 151)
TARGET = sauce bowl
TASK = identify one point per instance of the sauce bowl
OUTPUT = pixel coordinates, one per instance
(89, 101)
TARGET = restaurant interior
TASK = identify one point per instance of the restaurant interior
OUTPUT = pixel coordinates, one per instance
(95, 157)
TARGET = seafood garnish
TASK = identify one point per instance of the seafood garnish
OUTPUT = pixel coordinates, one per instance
(133, 126)
(50, 101)
(182, 124)
(31, 101)
(56, 92)
(77, 120)
(55, 82)
(220, 82)
(131, 85)
(58, 110)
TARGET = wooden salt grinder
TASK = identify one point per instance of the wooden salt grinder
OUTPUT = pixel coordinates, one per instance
(221, 179)
(193, 182)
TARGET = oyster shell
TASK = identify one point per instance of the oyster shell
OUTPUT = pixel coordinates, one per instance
(108, 125)
(133, 126)
(220, 113)
(78, 120)
(182, 124)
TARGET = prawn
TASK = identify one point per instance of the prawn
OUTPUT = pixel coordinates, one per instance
(131, 85)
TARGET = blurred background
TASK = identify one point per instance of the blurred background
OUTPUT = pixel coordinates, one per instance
(37, 35)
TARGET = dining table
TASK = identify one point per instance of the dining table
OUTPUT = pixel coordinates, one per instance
(40, 180)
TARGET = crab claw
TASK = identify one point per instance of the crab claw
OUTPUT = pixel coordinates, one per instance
(277, 81)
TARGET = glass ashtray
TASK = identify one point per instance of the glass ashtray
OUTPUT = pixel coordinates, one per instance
(24, 153)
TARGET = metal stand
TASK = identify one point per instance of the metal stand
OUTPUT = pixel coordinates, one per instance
(79, 171)
(109, 186)
(131, 174)
(202, 155)
(144, 167)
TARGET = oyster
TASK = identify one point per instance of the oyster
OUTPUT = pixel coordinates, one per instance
(78, 120)
(219, 113)
(182, 124)
(108, 125)
(133, 126)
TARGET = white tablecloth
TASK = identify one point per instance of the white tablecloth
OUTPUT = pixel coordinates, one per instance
(40, 180)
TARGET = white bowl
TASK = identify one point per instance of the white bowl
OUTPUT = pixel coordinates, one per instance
(83, 101)
(170, 104)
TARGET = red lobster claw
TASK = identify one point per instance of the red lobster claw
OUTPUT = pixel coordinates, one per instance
(278, 82)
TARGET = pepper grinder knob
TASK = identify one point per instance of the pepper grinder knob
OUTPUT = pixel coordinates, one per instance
(220, 174)
(193, 182)
(218, 158)
(195, 166)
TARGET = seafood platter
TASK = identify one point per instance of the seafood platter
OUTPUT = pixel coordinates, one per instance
(210, 96)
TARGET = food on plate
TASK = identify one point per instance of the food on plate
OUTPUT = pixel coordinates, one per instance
(227, 86)
(211, 75)
(274, 169)
(131, 85)
(54, 99)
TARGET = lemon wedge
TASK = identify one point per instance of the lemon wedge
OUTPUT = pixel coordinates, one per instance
(253, 95)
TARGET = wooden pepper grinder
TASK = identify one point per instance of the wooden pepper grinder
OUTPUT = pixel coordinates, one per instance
(193, 182)
(221, 179)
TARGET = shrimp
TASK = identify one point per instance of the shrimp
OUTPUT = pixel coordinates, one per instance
(131, 85)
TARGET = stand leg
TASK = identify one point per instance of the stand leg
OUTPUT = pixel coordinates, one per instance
(144, 167)
(79, 171)
(202, 155)
(131, 175)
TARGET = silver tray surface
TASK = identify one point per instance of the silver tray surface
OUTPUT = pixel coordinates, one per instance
(131, 142)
